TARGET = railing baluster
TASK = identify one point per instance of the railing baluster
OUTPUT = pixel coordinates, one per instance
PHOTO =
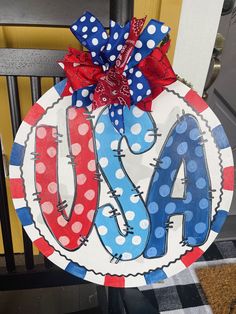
(57, 79)
(121, 10)
(35, 88)
(15, 121)
(5, 220)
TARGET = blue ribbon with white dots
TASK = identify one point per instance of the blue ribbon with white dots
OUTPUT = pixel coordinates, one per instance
(105, 49)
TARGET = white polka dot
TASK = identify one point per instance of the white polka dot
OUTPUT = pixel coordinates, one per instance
(139, 98)
(120, 240)
(90, 145)
(81, 179)
(76, 227)
(52, 187)
(79, 103)
(90, 215)
(103, 162)
(151, 43)
(164, 29)
(129, 215)
(138, 44)
(126, 35)
(93, 53)
(76, 149)
(75, 27)
(116, 122)
(126, 256)
(112, 23)
(94, 29)
(119, 47)
(104, 35)
(137, 112)
(120, 111)
(108, 249)
(91, 97)
(119, 174)
(148, 92)
(40, 167)
(84, 92)
(79, 208)
(38, 187)
(92, 165)
(112, 57)
(51, 151)
(94, 41)
(71, 90)
(148, 138)
(131, 92)
(100, 128)
(108, 47)
(72, 114)
(83, 18)
(92, 19)
(61, 221)
(106, 211)
(134, 199)
(85, 36)
(112, 114)
(83, 129)
(115, 35)
(139, 85)
(136, 240)
(119, 191)
(138, 74)
(138, 56)
(136, 128)
(129, 81)
(144, 224)
(114, 144)
(97, 144)
(41, 132)
(61, 65)
(89, 195)
(84, 29)
(64, 240)
(47, 207)
(151, 29)
(136, 147)
(131, 70)
(102, 230)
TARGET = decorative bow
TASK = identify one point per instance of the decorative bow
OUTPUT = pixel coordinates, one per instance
(122, 69)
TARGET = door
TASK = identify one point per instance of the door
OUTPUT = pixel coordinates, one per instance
(222, 94)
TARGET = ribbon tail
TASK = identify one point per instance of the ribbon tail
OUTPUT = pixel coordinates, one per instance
(117, 117)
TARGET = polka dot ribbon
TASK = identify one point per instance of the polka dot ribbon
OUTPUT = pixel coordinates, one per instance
(123, 69)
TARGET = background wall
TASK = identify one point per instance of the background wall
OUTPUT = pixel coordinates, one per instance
(198, 26)
(167, 11)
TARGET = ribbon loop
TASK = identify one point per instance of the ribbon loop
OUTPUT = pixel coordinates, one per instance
(151, 36)
(91, 34)
(116, 41)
